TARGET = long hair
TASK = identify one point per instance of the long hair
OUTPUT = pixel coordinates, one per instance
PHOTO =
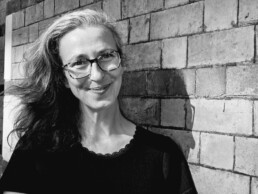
(50, 115)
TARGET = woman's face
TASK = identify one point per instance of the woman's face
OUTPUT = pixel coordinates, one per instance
(100, 89)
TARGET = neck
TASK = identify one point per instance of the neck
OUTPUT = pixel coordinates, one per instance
(101, 124)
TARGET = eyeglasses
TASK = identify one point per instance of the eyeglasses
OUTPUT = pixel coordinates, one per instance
(108, 61)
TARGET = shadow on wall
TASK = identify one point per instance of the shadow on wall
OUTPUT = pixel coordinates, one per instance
(159, 100)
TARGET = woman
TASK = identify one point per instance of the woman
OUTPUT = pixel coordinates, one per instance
(73, 137)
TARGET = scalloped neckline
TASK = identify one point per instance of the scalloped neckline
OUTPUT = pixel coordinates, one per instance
(116, 153)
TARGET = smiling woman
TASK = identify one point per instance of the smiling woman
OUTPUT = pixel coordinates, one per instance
(73, 137)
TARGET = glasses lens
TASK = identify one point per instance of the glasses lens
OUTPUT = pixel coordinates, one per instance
(109, 61)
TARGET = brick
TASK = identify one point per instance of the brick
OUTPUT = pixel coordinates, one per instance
(217, 182)
(141, 110)
(256, 118)
(177, 21)
(49, 8)
(143, 56)
(220, 14)
(20, 36)
(225, 116)
(85, 2)
(34, 14)
(230, 46)
(18, 19)
(174, 53)
(139, 28)
(168, 82)
(134, 83)
(174, 3)
(13, 6)
(65, 5)
(248, 11)
(242, 80)
(246, 155)
(190, 113)
(217, 151)
(254, 187)
(17, 55)
(27, 3)
(136, 7)
(173, 112)
(18, 71)
(211, 81)
(112, 8)
(187, 140)
(122, 28)
(33, 32)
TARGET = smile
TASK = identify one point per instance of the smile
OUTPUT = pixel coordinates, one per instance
(100, 89)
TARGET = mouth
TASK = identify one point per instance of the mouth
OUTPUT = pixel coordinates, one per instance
(100, 89)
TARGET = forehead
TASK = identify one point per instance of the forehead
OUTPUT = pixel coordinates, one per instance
(88, 40)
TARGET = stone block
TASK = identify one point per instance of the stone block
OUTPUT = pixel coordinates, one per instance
(178, 21)
(230, 46)
(34, 13)
(112, 8)
(49, 8)
(174, 53)
(13, 6)
(254, 187)
(211, 82)
(220, 14)
(2, 17)
(224, 116)
(65, 5)
(246, 155)
(85, 2)
(134, 83)
(174, 3)
(43, 25)
(139, 28)
(242, 80)
(33, 32)
(27, 3)
(173, 112)
(17, 54)
(170, 82)
(137, 7)
(143, 56)
(248, 11)
(18, 71)
(141, 110)
(123, 28)
(20, 36)
(217, 151)
(256, 118)
(95, 6)
(214, 181)
(18, 19)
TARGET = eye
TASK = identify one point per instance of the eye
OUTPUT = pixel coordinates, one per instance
(79, 63)
(107, 56)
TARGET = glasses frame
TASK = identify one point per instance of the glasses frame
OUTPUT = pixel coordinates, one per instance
(66, 66)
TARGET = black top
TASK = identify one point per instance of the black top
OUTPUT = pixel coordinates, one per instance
(150, 163)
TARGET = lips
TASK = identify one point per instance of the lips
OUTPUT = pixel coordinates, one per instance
(100, 89)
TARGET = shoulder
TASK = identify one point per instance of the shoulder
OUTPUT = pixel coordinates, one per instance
(158, 141)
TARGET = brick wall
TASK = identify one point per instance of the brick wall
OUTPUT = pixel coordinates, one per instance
(191, 74)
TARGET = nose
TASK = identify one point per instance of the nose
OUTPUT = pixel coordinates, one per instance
(96, 73)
